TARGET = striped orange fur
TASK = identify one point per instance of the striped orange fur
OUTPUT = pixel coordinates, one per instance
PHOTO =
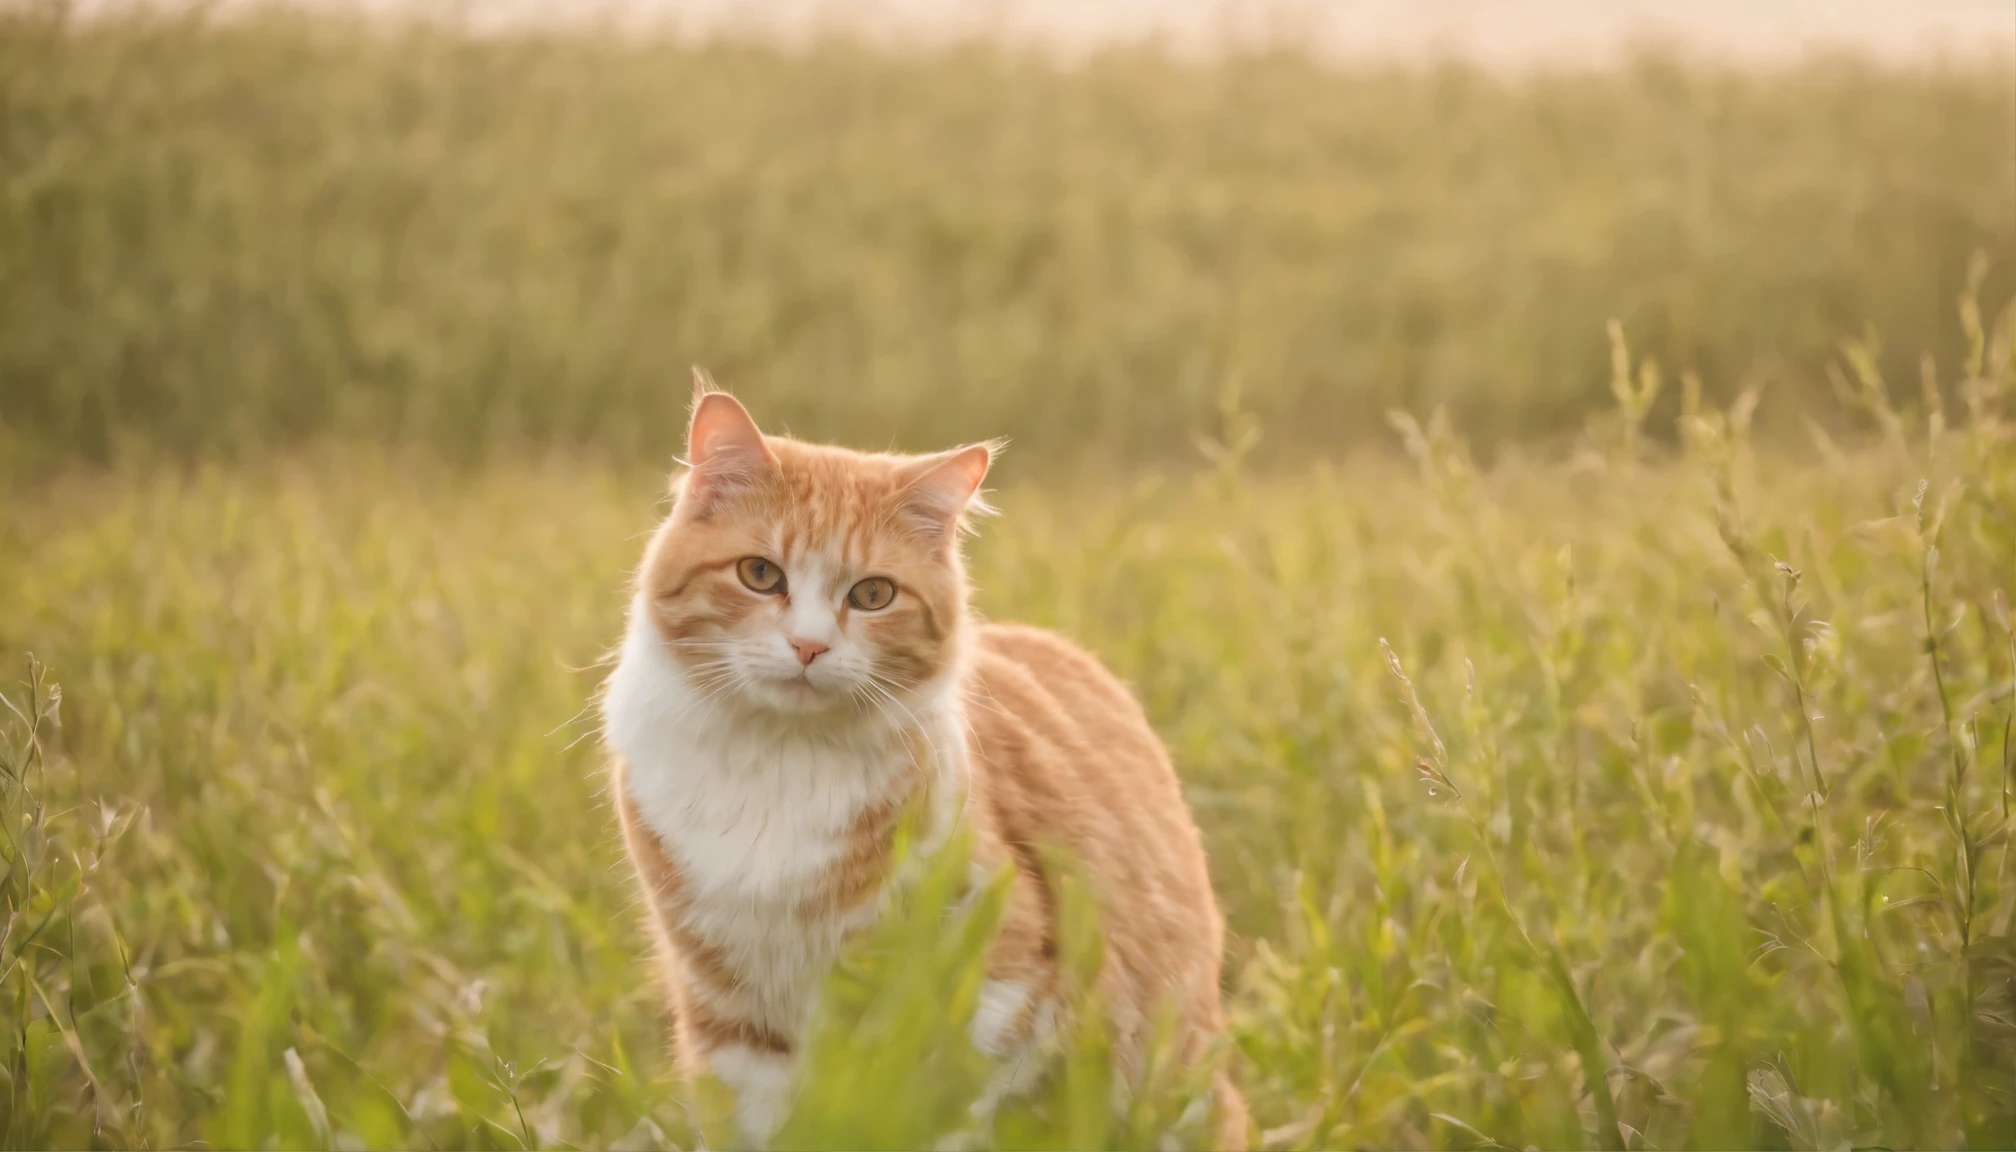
(801, 669)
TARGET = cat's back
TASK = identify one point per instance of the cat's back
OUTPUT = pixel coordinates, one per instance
(1064, 756)
(1050, 717)
(1063, 685)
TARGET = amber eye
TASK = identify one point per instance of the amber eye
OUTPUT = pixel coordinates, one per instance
(760, 575)
(872, 593)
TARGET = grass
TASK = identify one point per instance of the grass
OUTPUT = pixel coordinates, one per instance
(1636, 773)
(1654, 798)
(219, 236)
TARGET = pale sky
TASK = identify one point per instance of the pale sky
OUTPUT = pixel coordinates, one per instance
(1512, 33)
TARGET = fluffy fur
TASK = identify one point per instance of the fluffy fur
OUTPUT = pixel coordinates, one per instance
(771, 724)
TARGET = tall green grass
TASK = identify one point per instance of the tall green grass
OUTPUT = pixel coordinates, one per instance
(1653, 797)
(217, 236)
(1637, 774)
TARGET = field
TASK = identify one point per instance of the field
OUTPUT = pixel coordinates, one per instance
(1617, 752)
(471, 246)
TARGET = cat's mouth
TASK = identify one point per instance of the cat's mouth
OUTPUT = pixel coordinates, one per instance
(794, 693)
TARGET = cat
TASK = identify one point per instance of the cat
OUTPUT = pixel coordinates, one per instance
(799, 670)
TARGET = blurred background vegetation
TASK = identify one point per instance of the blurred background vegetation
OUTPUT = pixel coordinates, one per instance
(1602, 735)
(222, 236)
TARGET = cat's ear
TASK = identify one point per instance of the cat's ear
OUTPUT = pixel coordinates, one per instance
(703, 383)
(941, 491)
(724, 449)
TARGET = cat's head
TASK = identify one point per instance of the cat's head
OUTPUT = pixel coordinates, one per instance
(810, 579)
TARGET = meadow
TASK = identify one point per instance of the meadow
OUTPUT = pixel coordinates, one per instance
(1616, 751)
(219, 238)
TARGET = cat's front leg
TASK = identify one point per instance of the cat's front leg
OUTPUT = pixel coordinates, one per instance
(761, 1082)
(1015, 1028)
(717, 1035)
(1017, 1019)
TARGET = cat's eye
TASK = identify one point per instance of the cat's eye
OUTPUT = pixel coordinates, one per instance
(872, 593)
(760, 575)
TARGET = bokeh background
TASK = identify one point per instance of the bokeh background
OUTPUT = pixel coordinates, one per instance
(230, 233)
(1545, 465)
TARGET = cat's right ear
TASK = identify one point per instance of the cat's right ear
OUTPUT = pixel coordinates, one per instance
(724, 450)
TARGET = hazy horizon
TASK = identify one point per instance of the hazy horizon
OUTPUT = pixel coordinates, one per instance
(1502, 33)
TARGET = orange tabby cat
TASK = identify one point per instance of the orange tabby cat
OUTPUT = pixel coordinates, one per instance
(801, 668)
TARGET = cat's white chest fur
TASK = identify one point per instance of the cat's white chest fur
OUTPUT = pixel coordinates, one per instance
(757, 810)
(755, 816)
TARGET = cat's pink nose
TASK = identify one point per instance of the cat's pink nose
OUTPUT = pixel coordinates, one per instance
(808, 650)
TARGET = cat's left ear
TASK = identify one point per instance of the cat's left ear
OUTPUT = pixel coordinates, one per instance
(941, 491)
(725, 452)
